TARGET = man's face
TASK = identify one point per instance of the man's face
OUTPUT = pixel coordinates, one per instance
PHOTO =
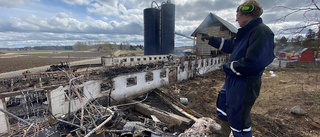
(242, 19)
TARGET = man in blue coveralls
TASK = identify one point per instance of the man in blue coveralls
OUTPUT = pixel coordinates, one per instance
(251, 51)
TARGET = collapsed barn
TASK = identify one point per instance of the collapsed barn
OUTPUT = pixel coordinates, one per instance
(119, 99)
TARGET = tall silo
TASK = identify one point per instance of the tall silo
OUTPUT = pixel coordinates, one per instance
(152, 45)
(167, 27)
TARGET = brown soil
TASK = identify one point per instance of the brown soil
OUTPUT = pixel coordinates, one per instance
(271, 114)
(12, 62)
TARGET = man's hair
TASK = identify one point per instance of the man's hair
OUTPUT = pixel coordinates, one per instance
(251, 8)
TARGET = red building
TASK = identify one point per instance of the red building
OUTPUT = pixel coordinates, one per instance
(306, 55)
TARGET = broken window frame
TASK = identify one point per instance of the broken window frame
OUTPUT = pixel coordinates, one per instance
(182, 68)
(132, 81)
(107, 85)
(149, 77)
(163, 73)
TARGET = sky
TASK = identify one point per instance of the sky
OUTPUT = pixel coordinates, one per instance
(64, 22)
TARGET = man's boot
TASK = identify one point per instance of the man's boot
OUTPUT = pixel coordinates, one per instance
(223, 131)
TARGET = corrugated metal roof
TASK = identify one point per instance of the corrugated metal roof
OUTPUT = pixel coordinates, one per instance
(303, 50)
(211, 20)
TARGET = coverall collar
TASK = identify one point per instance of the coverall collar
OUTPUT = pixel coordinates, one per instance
(254, 22)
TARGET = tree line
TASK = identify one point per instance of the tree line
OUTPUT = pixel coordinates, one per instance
(99, 46)
(308, 41)
(38, 48)
(104, 46)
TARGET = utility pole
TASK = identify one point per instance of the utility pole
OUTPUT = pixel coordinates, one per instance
(318, 43)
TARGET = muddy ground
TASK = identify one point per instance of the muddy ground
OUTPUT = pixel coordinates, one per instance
(271, 114)
(18, 61)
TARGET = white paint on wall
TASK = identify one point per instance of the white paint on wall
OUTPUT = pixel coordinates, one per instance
(59, 101)
(4, 125)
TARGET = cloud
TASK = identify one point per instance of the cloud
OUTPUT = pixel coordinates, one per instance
(12, 3)
(64, 23)
(103, 9)
(121, 20)
(78, 2)
(14, 39)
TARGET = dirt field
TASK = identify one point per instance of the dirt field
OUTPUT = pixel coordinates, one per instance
(271, 114)
(29, 59)
(17, 61)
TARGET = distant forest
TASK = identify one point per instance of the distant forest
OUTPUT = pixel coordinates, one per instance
(39, 48)
(100, 46)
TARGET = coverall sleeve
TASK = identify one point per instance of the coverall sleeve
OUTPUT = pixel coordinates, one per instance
(225, 45)
(259, 54)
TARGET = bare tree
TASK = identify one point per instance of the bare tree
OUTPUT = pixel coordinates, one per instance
(311, 13)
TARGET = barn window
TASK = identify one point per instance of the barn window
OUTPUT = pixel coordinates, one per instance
(149, 76)
(106, 85)
(163, 74)
(131, 81)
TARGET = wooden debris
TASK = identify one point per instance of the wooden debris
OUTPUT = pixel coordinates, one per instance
(163, 116)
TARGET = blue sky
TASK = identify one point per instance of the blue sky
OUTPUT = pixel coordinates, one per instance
(64, 22)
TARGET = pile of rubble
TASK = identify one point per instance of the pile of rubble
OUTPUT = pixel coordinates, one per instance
(150, 115)
(110, 101)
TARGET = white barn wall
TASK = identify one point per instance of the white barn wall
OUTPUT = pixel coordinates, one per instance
(123, 92)
(213, 64)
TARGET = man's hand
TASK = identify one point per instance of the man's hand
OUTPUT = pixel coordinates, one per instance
(205, 36)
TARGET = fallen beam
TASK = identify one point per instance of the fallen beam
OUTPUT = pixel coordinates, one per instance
(178, 106)
(20, 119)
(163, 116)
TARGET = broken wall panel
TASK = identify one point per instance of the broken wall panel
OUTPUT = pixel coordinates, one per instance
(122, 91)
(194, 67)
(59, 104)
